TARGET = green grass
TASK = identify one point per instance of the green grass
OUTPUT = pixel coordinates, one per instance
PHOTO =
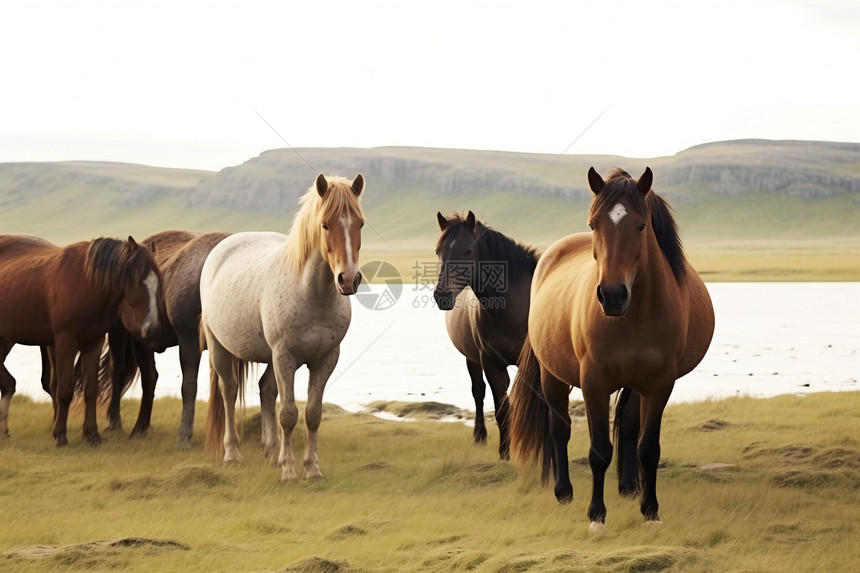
(403, 496)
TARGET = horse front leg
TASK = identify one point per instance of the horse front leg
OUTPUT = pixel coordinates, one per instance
(627, 442)
(600, 453)
(557, 396)
(499, 380)
(478, 392)
(145, 359)
(319, 375)
(651, 414)
(285, 372)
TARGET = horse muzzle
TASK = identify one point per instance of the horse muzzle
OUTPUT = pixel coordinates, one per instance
(444, 299)
(345, 286)
(614, 299)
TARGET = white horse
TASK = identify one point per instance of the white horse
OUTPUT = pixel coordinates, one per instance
(268, 297)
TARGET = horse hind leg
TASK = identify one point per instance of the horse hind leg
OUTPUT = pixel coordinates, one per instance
(557, 396)
(189, 361)
(499, 380)
(90, 364)
(627, 442)
(649, 449)
(268, 398)
(7, 388)
(479, 433)
(223, 366)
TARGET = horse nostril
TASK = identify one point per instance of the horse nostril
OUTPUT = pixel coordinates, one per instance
(600, 297)
(340, 279)
(356, 282)
(623, 293)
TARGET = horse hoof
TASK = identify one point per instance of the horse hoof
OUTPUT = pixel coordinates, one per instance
(564, 495)
(94, 440)
(597, 528)
(183, 444)
(288, 474)
(317, 477)
(653, 523)
(62, 441)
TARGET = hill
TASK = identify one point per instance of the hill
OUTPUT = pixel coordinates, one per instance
(727, 195)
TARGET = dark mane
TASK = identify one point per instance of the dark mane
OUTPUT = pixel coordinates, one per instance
(619, 185)
(521, 259)
(115, 265)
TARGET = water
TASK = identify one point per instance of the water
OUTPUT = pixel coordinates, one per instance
(770, 339)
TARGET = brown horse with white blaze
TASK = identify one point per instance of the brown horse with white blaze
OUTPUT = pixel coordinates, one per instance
(618, 308)
(68, 298)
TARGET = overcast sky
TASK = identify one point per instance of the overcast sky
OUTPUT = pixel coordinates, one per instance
(208, 84)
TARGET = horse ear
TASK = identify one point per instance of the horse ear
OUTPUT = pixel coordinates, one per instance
(152, 247)
(132, 243)
(470, 220)
(595, 181)
(358, 184)
(322, 185)
(645, 181)
(443, 222)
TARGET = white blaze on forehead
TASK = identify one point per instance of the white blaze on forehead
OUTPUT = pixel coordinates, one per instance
(151, 283)
(347, 223)
(618, 212)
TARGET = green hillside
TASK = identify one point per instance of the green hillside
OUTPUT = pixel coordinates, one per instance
(729, 197)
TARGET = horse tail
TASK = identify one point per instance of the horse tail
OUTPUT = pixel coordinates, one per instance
(215, 421)
(626, 429)
(529, 416)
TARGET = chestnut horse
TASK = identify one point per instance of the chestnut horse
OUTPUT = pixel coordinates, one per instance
(278, 299)
(484, 280)
(68, 298)
(179, 256)
(620, 307)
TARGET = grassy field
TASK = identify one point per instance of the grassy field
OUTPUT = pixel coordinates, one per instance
(417, 496)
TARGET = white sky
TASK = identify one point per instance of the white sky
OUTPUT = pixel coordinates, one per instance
(180, 84)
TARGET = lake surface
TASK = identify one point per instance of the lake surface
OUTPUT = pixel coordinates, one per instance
(770, 339)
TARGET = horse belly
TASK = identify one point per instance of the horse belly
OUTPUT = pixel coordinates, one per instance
(459, 325)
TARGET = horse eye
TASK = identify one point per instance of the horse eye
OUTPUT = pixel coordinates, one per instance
(641, 227)
(590, 226)
(325, 226)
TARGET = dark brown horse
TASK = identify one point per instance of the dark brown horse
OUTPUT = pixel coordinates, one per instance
(484, 280)
(67, 298)
(180, 256)
(619, 307)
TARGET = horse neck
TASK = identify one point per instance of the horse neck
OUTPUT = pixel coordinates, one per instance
(317, 277)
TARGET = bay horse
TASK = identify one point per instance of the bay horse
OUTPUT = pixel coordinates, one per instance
(619, 307)
(179, 255)
(66, 299)
(280, 300)
(484, 280)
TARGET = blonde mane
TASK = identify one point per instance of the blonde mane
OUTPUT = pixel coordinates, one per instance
(306, 231)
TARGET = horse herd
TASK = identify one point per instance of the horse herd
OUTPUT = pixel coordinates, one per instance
(617, 308)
